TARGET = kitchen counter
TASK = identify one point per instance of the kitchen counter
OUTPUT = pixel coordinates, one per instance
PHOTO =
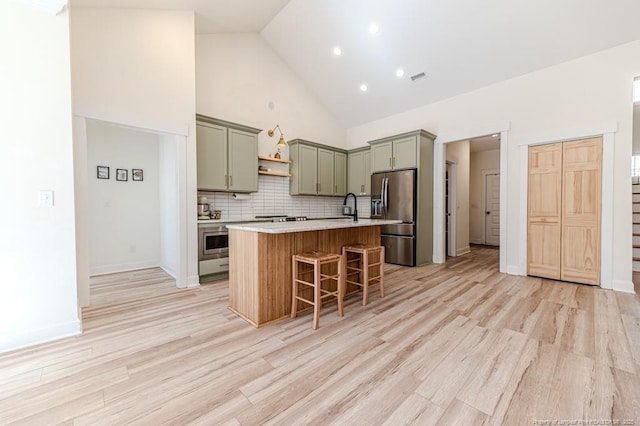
(260, 260)
(308, 225)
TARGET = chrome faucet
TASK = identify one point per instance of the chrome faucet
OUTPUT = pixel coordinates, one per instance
(355, 205)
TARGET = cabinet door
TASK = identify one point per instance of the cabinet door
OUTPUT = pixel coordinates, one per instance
(340, 164)
(405, 153)
(308, 169)
(325, 172)
(243, 161)
(356, 172)
(381, 156)
(581, 199)
(545, 210)
(211, 146)
(366, 162)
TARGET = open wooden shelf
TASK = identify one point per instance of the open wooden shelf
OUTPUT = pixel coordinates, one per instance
(275, 160)
(272, 173)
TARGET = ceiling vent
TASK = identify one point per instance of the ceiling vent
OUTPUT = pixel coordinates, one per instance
(418, 76)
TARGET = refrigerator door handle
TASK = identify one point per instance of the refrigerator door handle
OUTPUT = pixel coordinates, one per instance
(386, 195)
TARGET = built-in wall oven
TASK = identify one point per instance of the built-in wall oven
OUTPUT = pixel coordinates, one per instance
(213, 249)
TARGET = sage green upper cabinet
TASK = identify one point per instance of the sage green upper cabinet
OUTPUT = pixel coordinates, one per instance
(405, 153)
(317, 169)
(340, 164)
(394, 154)
(326, 171)
(211, 150)
(227, 155)
(307, 175)
(243, 161)
(360, 172)
(381, 156)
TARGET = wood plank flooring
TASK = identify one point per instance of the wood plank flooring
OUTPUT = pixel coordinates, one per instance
(458, 343)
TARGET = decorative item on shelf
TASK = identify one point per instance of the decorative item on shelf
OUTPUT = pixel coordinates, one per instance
(281, 143)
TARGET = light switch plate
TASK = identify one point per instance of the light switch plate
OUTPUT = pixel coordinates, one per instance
(45, 198)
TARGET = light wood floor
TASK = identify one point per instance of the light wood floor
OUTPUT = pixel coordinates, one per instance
(449, 344)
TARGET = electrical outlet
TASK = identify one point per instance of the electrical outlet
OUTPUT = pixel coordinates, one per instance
(45, 198)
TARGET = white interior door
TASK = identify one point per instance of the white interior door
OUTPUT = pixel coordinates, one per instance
(492, 209)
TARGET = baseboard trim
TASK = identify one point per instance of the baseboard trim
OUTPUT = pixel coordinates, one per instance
(513, 270)
(623, 286)
(475, 241)
(37, 336)
(123, 267)
(463, 250)
(170, 271)
(193, 281)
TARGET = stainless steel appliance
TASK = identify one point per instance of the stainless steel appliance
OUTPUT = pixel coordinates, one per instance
(214, 242)
(213, 250)
(203, 208)
(393, 196)
(282, 218)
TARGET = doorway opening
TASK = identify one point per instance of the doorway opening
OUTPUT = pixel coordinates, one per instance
(129, 215)
(471, 209)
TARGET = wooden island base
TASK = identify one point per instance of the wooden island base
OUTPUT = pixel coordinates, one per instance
(260, 267)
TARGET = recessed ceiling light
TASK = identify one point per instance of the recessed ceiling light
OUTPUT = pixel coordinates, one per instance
(337, 51)
(495, 135)
(399, 72)
(374, 28)
(363, 87)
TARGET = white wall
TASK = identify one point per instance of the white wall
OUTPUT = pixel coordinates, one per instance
(169, 203)
(547, 105)
(137, 68)
(124, 224)
(38, 300)
(459, 153)
(480, 161)
(636, 129)
(237, 75)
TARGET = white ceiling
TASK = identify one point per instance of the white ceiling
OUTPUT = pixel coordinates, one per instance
(212, 16)
(461, 45)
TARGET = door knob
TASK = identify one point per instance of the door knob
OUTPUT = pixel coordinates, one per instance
(488, 212)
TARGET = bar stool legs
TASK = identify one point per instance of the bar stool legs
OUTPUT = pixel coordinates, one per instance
(317, 260)
(361, 265)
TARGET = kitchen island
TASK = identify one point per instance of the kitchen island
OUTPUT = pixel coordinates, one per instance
(260, 260)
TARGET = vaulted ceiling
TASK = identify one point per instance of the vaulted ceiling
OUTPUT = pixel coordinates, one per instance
(460, 45)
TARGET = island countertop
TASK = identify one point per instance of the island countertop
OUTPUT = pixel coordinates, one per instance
(308, 225)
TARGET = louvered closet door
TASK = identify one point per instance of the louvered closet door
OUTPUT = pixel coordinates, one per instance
(582, 170)
(545, 210)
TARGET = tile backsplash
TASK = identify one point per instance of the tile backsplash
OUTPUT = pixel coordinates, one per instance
(273, 198)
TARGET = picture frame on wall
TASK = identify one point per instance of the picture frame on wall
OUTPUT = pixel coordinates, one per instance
(136, 174)
(122, 175)
(103, 172)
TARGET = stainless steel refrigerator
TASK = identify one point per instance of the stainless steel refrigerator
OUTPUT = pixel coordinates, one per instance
(393, 196)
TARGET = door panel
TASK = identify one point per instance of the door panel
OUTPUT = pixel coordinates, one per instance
(381, 154)
(544, 201)
(325, 172)
(211, 146)
(308, 158)
(340, 163)
(398, 250)
(492, 210)
(366, 160)
(243, 161)
(405, 153)
(544, 249)
(401, 195)
(356, 172)
(582, 169)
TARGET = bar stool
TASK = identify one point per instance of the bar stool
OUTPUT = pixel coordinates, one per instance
(360, 266)
(317, 260)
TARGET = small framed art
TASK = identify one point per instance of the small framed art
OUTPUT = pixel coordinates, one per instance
(122, 175)
(136, 174)
(103, 172)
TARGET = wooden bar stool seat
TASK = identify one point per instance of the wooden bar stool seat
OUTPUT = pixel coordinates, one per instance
(358, 268)
(317, 260)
